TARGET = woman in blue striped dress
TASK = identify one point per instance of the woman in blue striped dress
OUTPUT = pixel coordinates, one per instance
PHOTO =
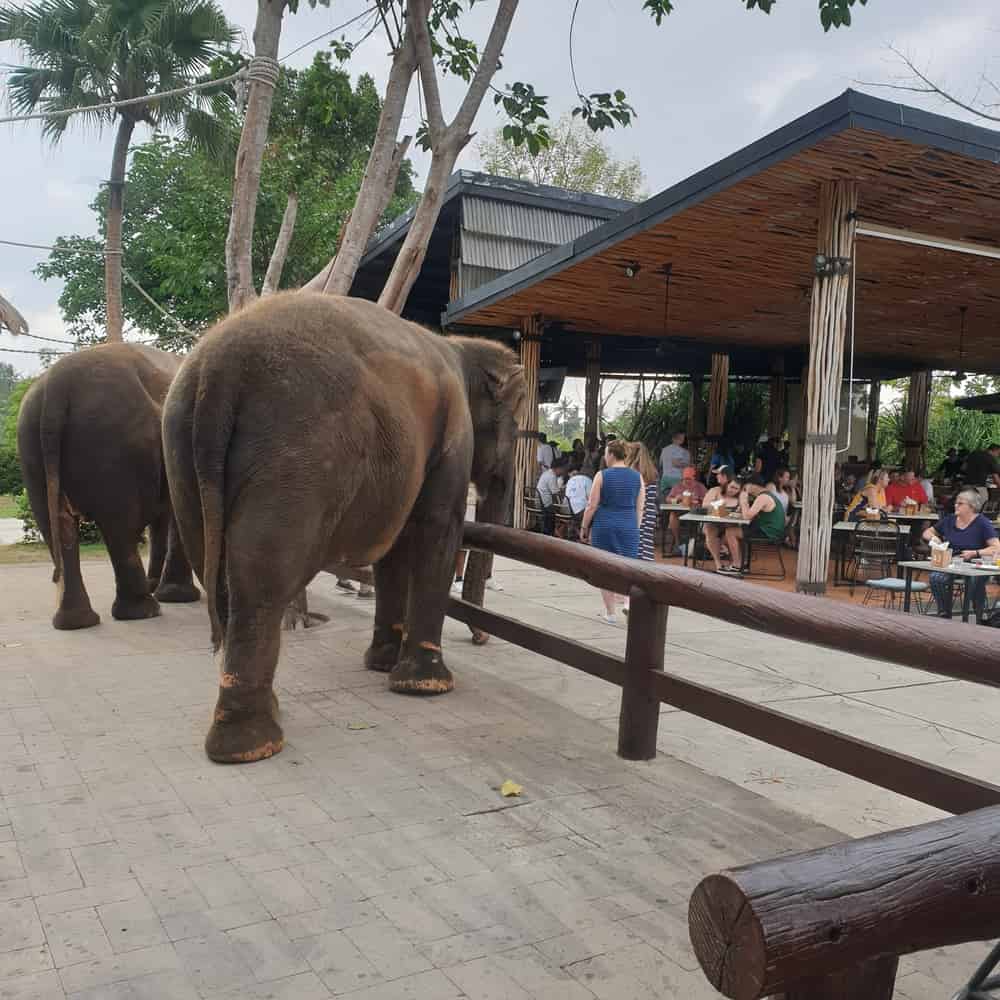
(640, 460)
(611, 520)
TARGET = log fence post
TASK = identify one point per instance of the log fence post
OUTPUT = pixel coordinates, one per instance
(644, 652)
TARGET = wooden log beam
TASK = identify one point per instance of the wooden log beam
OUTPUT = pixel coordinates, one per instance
(718, 391)
(696, 419)
(777, 401)
(838, 202)
(918, 406)
(779, 925)
(592, 392)
(526, 462)
(871, 435)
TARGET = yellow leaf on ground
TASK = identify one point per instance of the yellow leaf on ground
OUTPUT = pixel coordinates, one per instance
(509, 788)
(360, 725)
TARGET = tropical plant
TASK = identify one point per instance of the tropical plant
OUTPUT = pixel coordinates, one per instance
(177, 215)
(96, 52)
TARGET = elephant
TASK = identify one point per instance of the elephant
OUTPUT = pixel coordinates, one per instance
(312, 429)
(88, 438)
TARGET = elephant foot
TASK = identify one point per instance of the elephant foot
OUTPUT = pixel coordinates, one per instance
(242, 736)
(177, 593)
(382, 656)
(423, 673)
(68, 619)
(131, 609)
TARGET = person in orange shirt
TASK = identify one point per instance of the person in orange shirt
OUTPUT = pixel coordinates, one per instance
(906, 486)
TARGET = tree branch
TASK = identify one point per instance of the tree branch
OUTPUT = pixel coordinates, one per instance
(272, 280)
(419, 13)
(485, 71)
(929, 87)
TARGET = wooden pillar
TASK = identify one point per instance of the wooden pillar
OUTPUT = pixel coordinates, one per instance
(696, 419)
(777, 401)
(871, 435)
(800, 430)
(918, 406)
(838, 202)
(592, 394)
(718, 390)
(527, 442)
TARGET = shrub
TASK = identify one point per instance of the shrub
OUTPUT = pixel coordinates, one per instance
(89, 532)
(10, 472)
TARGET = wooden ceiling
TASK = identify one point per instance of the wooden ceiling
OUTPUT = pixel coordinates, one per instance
(741, 255)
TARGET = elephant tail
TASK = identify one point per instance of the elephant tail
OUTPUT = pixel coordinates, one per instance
(50, 432)
(214, 417)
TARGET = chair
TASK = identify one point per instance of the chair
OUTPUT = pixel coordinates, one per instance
(533, 509)
(875, 555)
(752, 542)
(567, 523)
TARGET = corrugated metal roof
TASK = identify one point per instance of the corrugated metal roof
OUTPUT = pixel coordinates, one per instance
(499, 236)
(524, 222)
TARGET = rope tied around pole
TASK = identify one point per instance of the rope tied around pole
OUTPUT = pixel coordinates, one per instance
(263, 69)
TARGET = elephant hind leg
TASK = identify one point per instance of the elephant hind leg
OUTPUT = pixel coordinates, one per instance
(133, 601)
(176, 583)
(74, 611)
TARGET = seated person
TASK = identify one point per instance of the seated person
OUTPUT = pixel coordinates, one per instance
(906, 486)
(781, 486)
(872, 494)
(952, 465)
(688, 484)
(549, 484)
(844, 490)
(578, 490)
(924, 479)
(729, 493)
(767, 520)
(970, 535)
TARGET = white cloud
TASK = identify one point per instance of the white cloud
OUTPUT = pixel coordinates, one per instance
(767, 95)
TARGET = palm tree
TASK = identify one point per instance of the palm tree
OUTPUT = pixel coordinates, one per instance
(92, 52)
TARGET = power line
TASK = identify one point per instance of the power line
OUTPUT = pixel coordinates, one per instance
(20, 350)
(51, 340)
(115, 105)
(42, 246)
(339, 27)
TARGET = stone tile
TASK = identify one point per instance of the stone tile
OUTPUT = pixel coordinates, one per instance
(268, 950)
(19, 926)
(339, 962)
(24, 962)
(131, 924)
(412, 918)
(281, 893)
(157, 986)
(432, 985)
(132, 964)
(199, 923)
(76, 936)
(40, 986)
(213, 962)
(336, 917)
(387, 949)
(88, 897)
(307, 986)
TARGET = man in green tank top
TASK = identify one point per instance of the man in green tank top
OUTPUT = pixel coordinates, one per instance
(767, 516)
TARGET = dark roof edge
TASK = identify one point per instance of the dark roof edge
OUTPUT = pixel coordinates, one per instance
(474, 182)
(849, 109)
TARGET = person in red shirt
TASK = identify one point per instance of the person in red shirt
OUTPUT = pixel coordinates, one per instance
(688, 484)
(906, 486)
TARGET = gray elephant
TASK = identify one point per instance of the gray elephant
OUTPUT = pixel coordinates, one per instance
(88, 439)
(311, 429)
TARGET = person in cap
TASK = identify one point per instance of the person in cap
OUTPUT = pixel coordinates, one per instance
(689, 484)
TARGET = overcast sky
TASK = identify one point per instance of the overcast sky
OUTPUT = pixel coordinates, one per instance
(713, 78)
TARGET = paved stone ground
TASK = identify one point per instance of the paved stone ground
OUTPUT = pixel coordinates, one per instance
(11, 530)
(374, 857)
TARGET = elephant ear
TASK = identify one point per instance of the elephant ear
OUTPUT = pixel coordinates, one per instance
(509, 389)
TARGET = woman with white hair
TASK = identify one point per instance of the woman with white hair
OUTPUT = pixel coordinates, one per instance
(970, 535)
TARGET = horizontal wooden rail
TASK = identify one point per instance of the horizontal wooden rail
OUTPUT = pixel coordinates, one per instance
(950, 649)
(847, 911)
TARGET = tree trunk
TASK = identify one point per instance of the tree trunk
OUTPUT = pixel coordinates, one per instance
(272, 280)
(113, 243)
(411, 256)
(918, 404)
(250, 156)
(379, 180)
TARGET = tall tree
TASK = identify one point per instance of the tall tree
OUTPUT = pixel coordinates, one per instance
(574, 158)
(95, 52)
(177, 216)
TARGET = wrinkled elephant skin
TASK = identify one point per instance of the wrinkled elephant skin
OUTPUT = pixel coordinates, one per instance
(313, 429)
(88, 436)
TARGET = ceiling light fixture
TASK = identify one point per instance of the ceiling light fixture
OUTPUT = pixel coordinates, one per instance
(631, 270)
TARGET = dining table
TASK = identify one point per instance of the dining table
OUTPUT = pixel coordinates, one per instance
(958, 568)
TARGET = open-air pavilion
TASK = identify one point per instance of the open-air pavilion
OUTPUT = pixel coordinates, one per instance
(860, 241)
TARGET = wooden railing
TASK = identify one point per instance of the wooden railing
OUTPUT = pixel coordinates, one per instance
(801, 926)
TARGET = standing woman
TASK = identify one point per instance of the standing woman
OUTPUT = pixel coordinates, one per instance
(640, 460)
(614, 510)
